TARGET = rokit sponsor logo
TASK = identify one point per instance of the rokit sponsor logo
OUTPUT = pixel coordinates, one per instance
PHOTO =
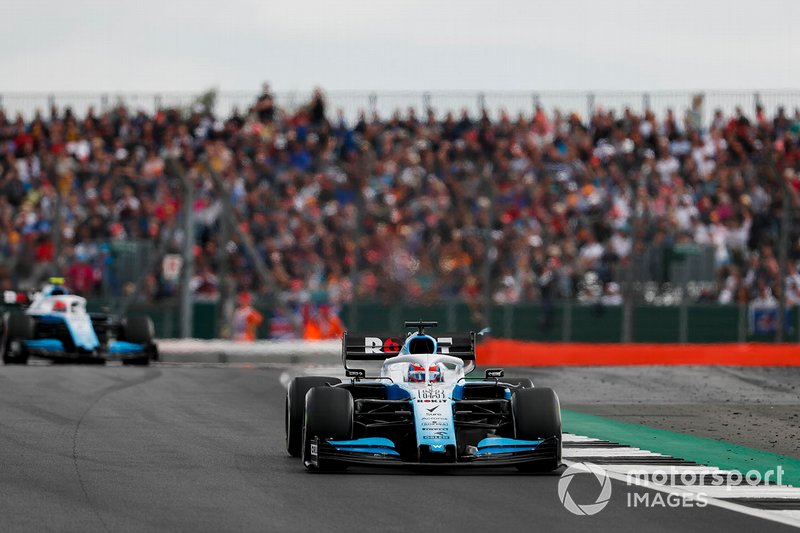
(392, 345)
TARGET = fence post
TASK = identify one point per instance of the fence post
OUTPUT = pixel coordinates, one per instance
(589, 107)
(481, 102)
(683, 324)
(187, 263)
(51, 102)
(627, 304)
(451, 317)
(508, 321)
(373, 103)
(156, 103)
(756, 101)
(566, 320)
(683, 317)
(352, 317)
(646, 102)
(426, 102)
(537, 101)
(394, 316)
(741, 335)
(783, 259)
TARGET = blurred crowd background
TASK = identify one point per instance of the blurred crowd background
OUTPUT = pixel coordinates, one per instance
(444, 205)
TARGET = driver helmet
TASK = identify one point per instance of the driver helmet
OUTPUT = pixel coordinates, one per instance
(416, 373)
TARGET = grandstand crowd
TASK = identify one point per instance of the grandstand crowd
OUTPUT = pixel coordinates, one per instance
(401, 208)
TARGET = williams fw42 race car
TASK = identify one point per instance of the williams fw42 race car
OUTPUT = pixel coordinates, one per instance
(54, 324)
(421, 410)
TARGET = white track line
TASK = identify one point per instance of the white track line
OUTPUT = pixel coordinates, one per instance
(608, 452)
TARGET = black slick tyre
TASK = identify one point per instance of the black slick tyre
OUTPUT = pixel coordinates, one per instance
(295, 408)
(537, 416)
(18, 328)
(329, 415)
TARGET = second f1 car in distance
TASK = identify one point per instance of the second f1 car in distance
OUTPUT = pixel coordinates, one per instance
(421, 410)
(55, 325)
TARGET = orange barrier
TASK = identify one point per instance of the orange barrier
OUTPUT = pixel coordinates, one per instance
(503, 352)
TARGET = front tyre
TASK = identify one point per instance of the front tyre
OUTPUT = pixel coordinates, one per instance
(19, 327)
(328, 415)
(295, 407)
(537, 415)
(140, 330)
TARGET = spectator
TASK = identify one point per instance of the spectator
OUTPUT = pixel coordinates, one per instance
(404, 207)
(246, 319)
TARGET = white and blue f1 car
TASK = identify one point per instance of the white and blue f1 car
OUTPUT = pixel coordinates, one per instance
(421, 410)
(54, 324)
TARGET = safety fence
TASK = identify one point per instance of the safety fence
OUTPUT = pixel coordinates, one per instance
(385, 103)
(559, 322)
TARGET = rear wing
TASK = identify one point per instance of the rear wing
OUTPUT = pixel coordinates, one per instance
(361, 347)
(16, 299)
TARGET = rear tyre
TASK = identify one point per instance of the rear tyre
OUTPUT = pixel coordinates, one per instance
(138, 329)
(295, 407)
(329, 415)
(537, 415)
(19, 327)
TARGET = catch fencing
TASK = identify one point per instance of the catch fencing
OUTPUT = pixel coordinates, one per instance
(385, 103)
(563, 321)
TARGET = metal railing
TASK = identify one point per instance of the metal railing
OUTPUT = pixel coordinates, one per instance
(351, 103)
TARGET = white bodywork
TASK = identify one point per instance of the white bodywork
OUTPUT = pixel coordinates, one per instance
(74, 306)
(432, 400)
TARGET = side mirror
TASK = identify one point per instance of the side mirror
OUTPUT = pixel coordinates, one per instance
(494, 373)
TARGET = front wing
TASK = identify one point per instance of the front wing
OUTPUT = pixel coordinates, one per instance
(324, 451)
(117, 350)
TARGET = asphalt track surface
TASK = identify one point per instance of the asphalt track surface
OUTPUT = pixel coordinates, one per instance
(191, 448)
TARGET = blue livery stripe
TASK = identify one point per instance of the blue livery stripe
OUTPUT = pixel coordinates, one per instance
(45, 344)
(366, 445)
(504, 449)
(503, 441)
(368, 441)
(125, 347)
